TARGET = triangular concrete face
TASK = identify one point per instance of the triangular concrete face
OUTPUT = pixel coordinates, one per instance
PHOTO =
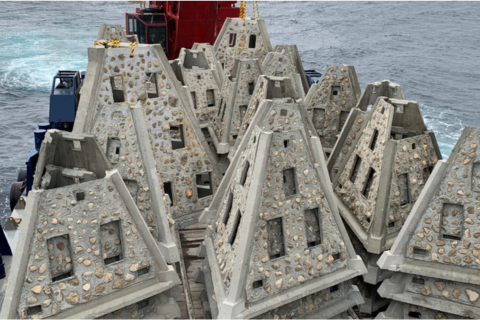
(266, 87)
(210, 55)
(111, 32)
(237, 91)
(438, 243)
(185, 164)
(202, 84)
(84, 249)
(330, 100)
(276, 240)
(239, 40)
(279, 64)
(382, 175)
(292, 51)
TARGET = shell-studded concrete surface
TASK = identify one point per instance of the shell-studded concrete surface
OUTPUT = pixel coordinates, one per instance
(112, 32)
(278, 64)
(115, 129)
(77, 237)
(280, 223)
(207, 48)
(331, 100)
(449, 231)
(227, 51)
(310, 303)
(218, 121)
(177, 166)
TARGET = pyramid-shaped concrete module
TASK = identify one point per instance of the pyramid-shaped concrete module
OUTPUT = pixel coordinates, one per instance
(237, 91)
(437, 250)
(330, 100)
(374, 90)
(385, 170)
(276, 243)
(292, 51)
(202, 83)
(207, 48)
(279, 64)
(239, 40)
(84, 249)
(116, 81)
(266, 87)
(111, 32)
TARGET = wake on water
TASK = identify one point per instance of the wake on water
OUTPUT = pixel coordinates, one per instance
(422, 46)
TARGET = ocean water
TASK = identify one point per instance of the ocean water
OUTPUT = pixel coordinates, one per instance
(431, 48)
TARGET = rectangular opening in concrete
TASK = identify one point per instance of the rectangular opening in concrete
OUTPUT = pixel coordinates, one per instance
(34, 310)
(391, 224)
(232, 40)
(336, 256)
(403, 188)
(276, 244)
(427, 171)
(194, 99)
(276, 90)
(373, 142)
(414, 146)
(206, 134)
(286, 143)
(415, 314)
(251, 87)
(132, 187)
(417, 280)
(80, 196)
(289, 182)
(252, 41)
(334, 288)
(283, 112)
(243, 110)
(113, 149)
(142, 304)
(235, 226)
(451, 221)
(419, 252)
(278, 73)
(368, 185)
(243, 177)
(335, 91)
(398, 108)
(142, 271)
(151, 85)
(210, 98)
(313, 228)
(199, 77)
(257, 284)
(167, 188)
(204, 185)
(356, 167)
(111, 242)
(118, 89)
(475, 174)
(318, 118)
(61, 257)
(228, 210)
(177, 137)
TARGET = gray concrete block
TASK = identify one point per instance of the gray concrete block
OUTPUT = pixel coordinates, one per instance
(374, 90)
(292, 51)
(111, 32)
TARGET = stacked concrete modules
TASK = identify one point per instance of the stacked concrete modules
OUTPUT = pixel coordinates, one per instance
(267, 87)
(244, 40)
(237, 91)
(330, 100)
(279, 64)
(118, 85)
(84, 250)
(292, 51)
(436, 254)
(202, 83)
(276, 246)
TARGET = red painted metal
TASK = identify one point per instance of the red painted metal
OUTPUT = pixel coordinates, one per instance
(187, 22)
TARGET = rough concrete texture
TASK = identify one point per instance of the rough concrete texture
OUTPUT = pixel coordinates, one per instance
(183, 159)
(266, 87)
(435, 293)
(292, 51)
(384, 172)
(207, 48)
(374, 90)
(294, 244)
(202, 84)
(237, 39)
(236, 94)
(399, 310)
(279, 64)
(111, 32)
(84, 249)
(330, 100)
